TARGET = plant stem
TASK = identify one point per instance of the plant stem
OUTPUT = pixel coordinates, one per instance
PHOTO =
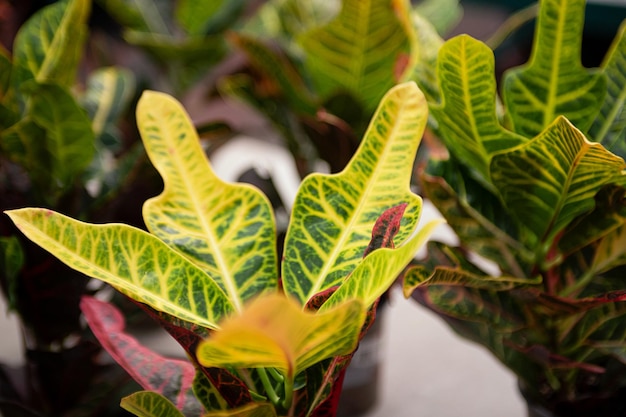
(269, 388)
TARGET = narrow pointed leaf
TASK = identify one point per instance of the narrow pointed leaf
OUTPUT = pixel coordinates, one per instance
(50, 44)
(225, 229)
(552, 179)
(172, 378)
(359, 50)
(131, 260)
(379, 270)
(333, 215)
(150, 404)
(554, 81)
(273, 332)
(608, 126)
(467, 116)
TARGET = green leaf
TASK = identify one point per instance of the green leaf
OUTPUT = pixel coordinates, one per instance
(442, 14)
(611, 252)
(608, 126)
(203, 18)
(50, 44)
(554, 81)
(131, 260)
(142, 15)
(425, 70)
(365, 50)
(225, 229)
(333, 215)
(25, 143)
(150, 404)
(69, 138)
(274, 332)
(553, 178)
(378, 271)
(5, 72)
(11, 262)
(467, 116)
(208, 394)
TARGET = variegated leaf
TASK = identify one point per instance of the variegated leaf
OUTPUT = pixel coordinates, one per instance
(467, 116)
(608, 126)
(249, 410)
(150, 404)
(131, 260)
(333, 215)
(552, 179)
(378, 271)
(554, 82)
(50, 44)
(172, 378)
(273, 332)
(611, 252)
(365, 50)
(207, 393)
(225, 229)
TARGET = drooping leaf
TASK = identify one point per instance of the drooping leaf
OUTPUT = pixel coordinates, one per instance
(281, 71)
(554, 82)
(333, 215)
(50, 44)
(225, 229)
(379, 270)
(142, 15)
(553, 178)
(131, 260)
(467, 116)
(273, 331)
(69, 143)
(11, 262)
(172, 378)
(150, 404)
(608, 126)
(360, 50)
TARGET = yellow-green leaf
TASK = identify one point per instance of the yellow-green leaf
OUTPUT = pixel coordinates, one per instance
(553, 178)
(51, 43)
(131, 260)
(365, 49)
(333, 215)
(248, 410)
(467, 116)
(554, 82)
(149, 404)
(273, 332)
(225, 229)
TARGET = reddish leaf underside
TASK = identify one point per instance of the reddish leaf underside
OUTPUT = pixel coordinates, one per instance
(171, 378)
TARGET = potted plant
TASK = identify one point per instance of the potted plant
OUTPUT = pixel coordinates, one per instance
(535, 185)
(260, 341)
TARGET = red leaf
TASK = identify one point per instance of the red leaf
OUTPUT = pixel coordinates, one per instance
(172, 378)
(386, 228)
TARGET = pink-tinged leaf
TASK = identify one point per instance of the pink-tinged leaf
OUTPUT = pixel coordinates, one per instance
(170, 377)
(386, 228)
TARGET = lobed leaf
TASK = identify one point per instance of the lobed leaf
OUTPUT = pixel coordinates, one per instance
(273, 332)
(554, 82)
(150, 404)
(50, 44)
(171, 378)
(554, 178)
(227, 230)
(467, 116)
(333, 215)
(608, 126)
(131, 260)
(361, 50)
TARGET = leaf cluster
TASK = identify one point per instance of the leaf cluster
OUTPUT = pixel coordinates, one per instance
(534, 183)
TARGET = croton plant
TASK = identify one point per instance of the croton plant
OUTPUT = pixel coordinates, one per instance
(260, 341)
(537, 187)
